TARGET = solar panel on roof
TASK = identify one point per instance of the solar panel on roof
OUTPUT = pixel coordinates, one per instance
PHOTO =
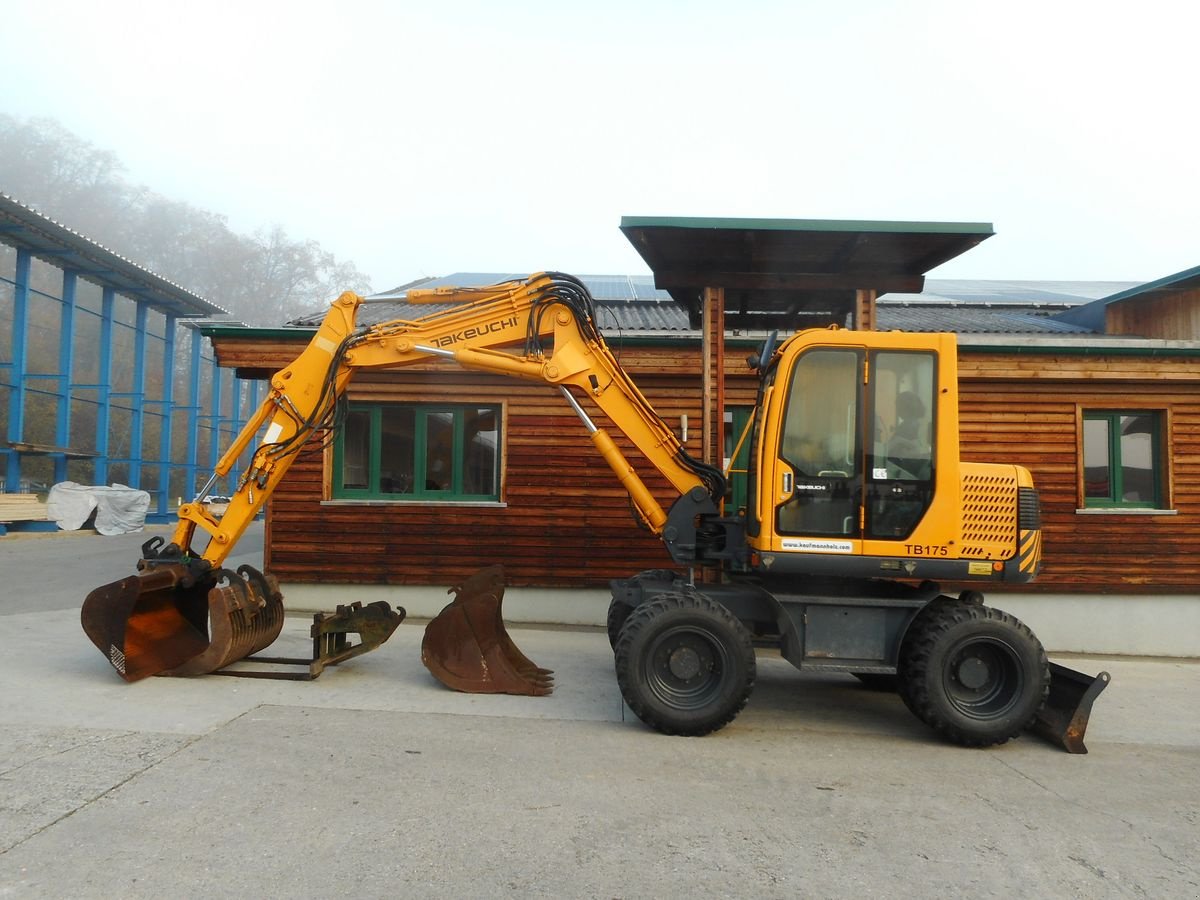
(608, 287)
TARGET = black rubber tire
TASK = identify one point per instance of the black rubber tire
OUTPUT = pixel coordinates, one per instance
(618, 612)
(935, 606)
(685, 664)
(976, 675)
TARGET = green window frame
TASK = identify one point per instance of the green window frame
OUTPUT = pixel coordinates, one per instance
(736, 420)
(422, 452)
(1122, 460)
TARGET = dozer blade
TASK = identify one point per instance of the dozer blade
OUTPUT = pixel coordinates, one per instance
(169, 621)
(1064, 719)
(467, 647)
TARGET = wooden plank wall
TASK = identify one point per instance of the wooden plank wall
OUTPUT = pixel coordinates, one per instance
(1171, 316)
(1024, 409)
(566, 521)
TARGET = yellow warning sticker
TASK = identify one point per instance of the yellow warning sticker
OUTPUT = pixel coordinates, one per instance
(979, 568)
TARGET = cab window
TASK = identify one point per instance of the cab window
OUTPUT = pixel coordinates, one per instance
(820, 446)
(902, 460)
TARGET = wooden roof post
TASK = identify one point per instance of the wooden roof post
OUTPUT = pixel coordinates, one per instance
(713, 386)
(864, 310)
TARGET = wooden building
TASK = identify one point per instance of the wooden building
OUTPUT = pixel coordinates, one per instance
(1109, 424)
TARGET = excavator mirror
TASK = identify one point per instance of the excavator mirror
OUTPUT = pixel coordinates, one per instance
(760, 360)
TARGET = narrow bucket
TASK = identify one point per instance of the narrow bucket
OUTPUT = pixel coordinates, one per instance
(467, 647)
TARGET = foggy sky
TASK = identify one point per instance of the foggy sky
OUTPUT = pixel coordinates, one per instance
(513, 136)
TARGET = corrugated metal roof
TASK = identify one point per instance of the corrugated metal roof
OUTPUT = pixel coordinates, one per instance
(603, 287)
(969, 320)
(643, 316)
(630, 304)
(457, 279)
(24, 227)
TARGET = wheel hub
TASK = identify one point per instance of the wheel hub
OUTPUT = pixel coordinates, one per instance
(684, 663)
(973, 673)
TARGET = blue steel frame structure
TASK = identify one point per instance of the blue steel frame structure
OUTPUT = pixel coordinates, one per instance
(163, 312)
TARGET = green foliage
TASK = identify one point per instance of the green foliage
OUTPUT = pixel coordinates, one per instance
(265, 278)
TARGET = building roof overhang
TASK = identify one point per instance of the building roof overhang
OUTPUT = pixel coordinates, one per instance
(789, 273)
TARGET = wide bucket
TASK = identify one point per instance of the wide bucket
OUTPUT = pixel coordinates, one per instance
(167, 621)
(148, 623)
(467, 647)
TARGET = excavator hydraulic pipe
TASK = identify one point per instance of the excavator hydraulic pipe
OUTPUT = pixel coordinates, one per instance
(242, 441)
(642, 498)
(516, 366)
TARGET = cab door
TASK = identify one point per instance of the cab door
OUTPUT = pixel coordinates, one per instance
(902, 462)
(818, 467)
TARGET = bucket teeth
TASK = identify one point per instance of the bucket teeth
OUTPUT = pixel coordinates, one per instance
(467, 647)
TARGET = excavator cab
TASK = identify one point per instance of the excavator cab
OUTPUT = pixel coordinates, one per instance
(859, 470)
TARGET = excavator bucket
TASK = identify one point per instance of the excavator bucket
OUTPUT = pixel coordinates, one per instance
(169, 621)
(467, 647)
(1064, 719)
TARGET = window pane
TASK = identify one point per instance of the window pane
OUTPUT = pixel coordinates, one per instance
(902, 423)
(413, 452)
(356, 450)
(822, 414)
(439, 451)
(396, 450)
(820, 442)
(902, 444)
(1097, 468)
(1137, 458)
(481, 463)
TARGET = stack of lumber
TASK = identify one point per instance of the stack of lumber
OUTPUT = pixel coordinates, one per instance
(21, 508)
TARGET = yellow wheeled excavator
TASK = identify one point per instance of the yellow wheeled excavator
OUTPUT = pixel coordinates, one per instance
(859, 506)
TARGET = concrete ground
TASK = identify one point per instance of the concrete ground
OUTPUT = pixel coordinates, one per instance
(376, 780)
